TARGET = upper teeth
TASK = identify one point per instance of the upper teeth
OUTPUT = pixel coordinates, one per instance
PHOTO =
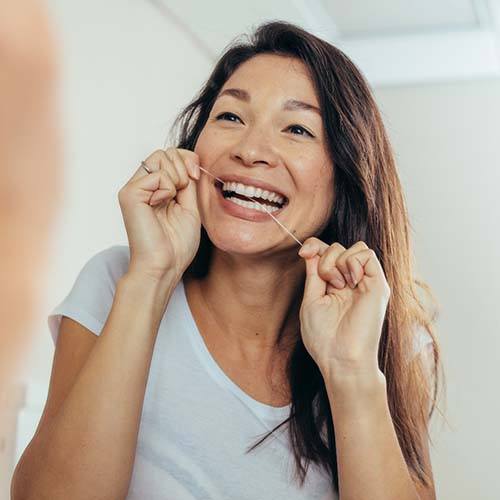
(253, 192)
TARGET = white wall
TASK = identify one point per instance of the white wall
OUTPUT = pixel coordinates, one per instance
(127, 74)
(447, 140)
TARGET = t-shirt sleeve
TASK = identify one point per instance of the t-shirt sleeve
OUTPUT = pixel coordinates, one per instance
(421, 341)
(91, 296)
(426, 354)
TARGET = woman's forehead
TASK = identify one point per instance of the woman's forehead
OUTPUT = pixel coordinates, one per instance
(279, 74)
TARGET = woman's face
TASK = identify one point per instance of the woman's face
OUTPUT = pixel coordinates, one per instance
(258, 131)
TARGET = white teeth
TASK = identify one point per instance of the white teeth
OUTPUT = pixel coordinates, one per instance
(252, 191)
(252, 204)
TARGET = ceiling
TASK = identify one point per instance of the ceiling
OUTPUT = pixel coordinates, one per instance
(393, 42)
(360, 18)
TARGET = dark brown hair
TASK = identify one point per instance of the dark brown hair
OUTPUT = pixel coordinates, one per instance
(368, 206)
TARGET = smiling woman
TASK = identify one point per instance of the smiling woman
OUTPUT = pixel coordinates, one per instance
(314, 129)
(212, 330)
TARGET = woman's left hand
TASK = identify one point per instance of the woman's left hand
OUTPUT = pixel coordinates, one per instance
(341, 326)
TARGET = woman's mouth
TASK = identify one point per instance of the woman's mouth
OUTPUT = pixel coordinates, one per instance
(244, 206)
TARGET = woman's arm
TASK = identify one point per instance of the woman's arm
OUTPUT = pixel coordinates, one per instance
(87, 448)
(370, 462)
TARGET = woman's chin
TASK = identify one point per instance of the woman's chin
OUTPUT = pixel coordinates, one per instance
(241, 242)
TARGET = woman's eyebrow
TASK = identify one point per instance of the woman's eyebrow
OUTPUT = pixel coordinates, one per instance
(290, 105)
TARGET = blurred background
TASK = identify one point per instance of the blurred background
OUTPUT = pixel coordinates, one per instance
(129, 67)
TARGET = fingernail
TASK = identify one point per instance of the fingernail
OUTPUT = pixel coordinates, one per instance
(353, 279)
(339, 283)
(305, 249)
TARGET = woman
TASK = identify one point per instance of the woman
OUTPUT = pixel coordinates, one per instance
(213, 329)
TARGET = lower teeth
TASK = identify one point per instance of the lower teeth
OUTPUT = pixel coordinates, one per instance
(252, 204)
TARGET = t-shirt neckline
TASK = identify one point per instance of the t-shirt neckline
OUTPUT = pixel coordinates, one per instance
(267, 412)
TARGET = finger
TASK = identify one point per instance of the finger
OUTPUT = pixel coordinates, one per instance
(182, 167)
(177, 163)
(176, 176)
(356, 270)
(341, 263)
(327, 270)
(327, 265)
(152, 162)
(188, 198)
(187, 195)
(165, 188)
(192, 161)
(311, 247)
(315, 287)
(143, 189)
(366, 263)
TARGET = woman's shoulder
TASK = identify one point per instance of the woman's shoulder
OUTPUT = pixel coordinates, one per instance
(102, 271)
(91, 296)
(116, 258)
(113, 261)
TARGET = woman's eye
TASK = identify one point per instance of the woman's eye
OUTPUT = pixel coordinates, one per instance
(298, 127)
(226, 114)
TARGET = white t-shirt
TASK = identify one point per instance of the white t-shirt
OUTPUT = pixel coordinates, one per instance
(196, 422)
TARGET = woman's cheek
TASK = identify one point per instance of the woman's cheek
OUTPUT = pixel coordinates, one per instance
(208, 146)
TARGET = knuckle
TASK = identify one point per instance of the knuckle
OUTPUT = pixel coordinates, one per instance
(187, 153)
(323, 268)
(333, 273)
(157, 153)
(341, 265)
(122, 196)
(336, 248)
(361, 244)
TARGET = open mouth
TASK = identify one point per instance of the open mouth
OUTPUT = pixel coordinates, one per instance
(252, 202)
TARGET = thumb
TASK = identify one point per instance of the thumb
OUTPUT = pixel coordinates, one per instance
(315, 287)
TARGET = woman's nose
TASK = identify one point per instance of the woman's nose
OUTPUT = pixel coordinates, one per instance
(254, 147)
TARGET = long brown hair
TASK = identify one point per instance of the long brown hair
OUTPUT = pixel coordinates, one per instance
(368, 206)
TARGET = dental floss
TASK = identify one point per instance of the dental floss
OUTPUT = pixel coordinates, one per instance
(220, 180)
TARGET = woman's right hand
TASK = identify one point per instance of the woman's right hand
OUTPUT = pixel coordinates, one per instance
(161, 216)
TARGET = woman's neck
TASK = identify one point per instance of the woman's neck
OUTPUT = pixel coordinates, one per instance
(250, 303)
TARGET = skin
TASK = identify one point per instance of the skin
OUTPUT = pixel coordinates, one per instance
(255, 269)
(30, 172)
